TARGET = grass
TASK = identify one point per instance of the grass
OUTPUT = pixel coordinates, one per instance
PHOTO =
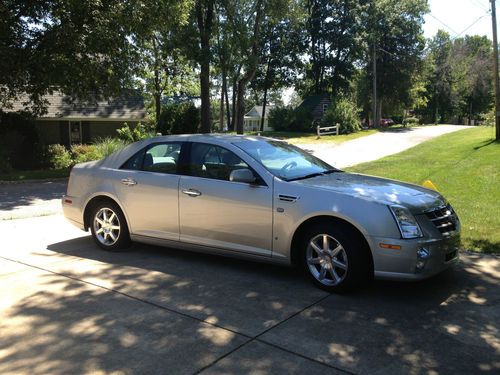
(34, 175)
(464, 166)
(301, 138)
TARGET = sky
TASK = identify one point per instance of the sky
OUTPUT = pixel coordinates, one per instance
(456, 16)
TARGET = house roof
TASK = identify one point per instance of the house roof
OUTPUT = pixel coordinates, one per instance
(256, 111)
(129, 106)
(311, 102)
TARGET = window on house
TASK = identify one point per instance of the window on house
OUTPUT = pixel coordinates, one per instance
(75, 132)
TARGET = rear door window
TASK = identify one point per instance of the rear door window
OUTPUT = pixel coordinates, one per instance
(158, 157)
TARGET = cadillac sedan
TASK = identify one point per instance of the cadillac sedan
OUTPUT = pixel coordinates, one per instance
(266, 200)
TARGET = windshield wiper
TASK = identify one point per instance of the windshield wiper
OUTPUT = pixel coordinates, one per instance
(311, 175)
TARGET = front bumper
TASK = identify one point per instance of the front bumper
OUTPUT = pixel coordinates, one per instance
(403, 263)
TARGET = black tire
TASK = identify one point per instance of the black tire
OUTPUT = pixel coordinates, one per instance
(103, 226)
(353, 254)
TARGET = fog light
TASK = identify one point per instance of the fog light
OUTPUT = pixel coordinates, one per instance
(420, 264)
(423, 253)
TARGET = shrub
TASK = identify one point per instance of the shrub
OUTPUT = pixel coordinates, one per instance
(106, 146)
(345, 113)
(59, 157)
(182, 118)
(290, 119)
(489, 118)
(411, 121)
(302, 120)
(280, 118)
(130, 135)
(83, 153)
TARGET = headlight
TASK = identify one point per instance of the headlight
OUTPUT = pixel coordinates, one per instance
(407, 224)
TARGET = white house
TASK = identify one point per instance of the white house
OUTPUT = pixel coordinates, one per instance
(253, 118)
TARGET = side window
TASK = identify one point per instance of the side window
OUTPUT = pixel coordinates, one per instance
(212, 161)
(159, 157)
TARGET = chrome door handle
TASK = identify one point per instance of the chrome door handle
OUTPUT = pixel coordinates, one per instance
(129, 181)
(192, 192)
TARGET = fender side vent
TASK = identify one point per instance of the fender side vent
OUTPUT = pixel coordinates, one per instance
(287, 198)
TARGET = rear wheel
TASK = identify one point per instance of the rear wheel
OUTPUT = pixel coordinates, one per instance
(334, 257)
(109, 227)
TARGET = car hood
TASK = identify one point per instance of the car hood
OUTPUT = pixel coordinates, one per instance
(390, 192)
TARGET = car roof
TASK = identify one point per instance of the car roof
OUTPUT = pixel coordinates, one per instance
(117, 159)
(222, 138)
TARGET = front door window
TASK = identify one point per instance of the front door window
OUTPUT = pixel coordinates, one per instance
(75, 132)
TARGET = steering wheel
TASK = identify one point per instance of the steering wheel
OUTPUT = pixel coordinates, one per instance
(287, 166)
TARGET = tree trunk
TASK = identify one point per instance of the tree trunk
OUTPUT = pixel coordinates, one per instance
(228, 114)
(264, 104)
(204, 15)
(221, 113)
(235, 94)
(233, 118)
(251, 69)
(240, 106)
(157, 98)
(379, 111)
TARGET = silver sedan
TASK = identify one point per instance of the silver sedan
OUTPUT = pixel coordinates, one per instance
(266, 200)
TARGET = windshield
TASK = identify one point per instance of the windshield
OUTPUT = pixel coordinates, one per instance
(284, 160)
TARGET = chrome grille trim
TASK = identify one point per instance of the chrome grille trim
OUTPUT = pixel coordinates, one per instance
(444, 218)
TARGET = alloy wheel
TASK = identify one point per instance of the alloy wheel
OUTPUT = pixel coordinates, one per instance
(106, 226)
(327, 260)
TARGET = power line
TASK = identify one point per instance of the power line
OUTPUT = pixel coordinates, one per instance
(480, 5)
(442, 23)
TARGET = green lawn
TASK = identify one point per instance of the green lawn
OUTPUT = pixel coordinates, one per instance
(465, 167)
(34, 175)
(301, 138)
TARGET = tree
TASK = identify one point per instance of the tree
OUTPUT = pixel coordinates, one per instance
(157, 34)
(334, 44)
(394, 28)
(282, 46)
(79, 47)
(204, 13)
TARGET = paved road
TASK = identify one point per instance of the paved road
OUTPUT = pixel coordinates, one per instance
(376, 146)
(67, 307)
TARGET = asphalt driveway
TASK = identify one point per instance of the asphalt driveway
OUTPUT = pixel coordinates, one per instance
(378, 145)
(67, 307)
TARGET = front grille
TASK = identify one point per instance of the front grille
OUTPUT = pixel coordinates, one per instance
(444, 218)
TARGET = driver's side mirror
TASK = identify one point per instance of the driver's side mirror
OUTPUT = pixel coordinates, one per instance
(242, 175)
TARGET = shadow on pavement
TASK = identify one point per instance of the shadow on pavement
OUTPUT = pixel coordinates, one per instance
(443, 325)
(14, 196)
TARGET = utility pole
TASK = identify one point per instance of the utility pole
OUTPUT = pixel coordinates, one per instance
(374, 101)
(497, 83)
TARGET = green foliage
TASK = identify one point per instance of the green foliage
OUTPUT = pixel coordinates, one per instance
(96, 151)
(343, 112)
(290, 119)
(182, 118)
(332, 28)
(131, 134)
(59, 157)
(411, 121)
(458, 81)
(82, 153)
(106, 146)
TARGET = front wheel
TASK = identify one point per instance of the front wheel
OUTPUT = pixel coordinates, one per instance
(109, 227)
(335, 258)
